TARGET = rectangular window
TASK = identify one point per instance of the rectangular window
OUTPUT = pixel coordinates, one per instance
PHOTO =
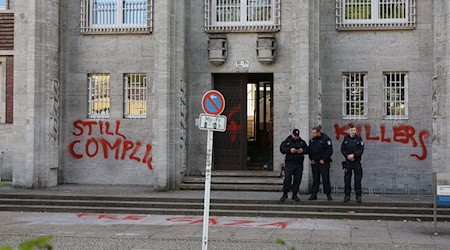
(106, 16)
(3, 4)
(375, 14)
(2, 90)
(354, 96)
(395, 95)
(99, 96)
(135, 96)
(242, 15)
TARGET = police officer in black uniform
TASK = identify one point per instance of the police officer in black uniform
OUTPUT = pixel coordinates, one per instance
(320, 151)
(352, 148)
(295, 149)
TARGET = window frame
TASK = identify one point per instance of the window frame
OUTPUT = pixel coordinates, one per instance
(3, 90)
(127, 100)
(375, 22)
(405, 100)
(212, 25)
(365, 101)
(5, 7)
(88, 26)
(93, 115)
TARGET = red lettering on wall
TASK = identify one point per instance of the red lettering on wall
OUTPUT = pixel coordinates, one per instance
(72, 150)
(401, 134)
(276, 224)
(122, 147)
(233, 127)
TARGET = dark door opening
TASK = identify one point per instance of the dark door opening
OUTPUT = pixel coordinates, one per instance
(248, 142)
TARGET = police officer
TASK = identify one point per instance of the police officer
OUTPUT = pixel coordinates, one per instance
(320, 151)
(352, 148)
(294, 148)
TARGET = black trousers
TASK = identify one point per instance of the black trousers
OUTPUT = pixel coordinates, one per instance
(292, 169)
(324, 171)
(356, 168)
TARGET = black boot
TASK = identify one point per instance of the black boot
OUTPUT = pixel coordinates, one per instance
(313, 197)
(347, 198)
(358, 199)
(329, 197)
(284, 197)
(295, 197)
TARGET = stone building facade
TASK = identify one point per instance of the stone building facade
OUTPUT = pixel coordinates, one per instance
(108, 91)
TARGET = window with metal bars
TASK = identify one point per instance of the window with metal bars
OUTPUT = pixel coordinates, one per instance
(379, 14)
(135, 96)
(354, 96)
(241, 15)
(104, 16)
(395, 95)
(99, 98)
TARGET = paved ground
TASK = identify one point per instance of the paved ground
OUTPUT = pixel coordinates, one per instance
(151, 232)
(144, 232)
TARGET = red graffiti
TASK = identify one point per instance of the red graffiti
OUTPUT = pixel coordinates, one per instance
(233, 127)
(122, 148)
(401, 134)
(216, 221)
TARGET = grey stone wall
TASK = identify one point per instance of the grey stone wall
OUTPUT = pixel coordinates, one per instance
(374, 52)
(158, 55)
(441, 88)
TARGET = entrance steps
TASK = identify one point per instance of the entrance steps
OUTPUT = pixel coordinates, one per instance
(228, 205)
(266, 181)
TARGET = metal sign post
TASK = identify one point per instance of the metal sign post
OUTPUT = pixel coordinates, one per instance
(209, 148)
(441, 194)
(213, 103)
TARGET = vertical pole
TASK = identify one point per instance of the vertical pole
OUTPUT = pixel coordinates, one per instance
(209, 148)
(434, 203)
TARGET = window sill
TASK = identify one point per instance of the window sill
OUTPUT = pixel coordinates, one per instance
(355, 118)
(375, 26)
(115, 31)
(239, 28)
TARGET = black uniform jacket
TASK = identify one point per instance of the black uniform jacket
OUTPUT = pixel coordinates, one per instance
(289, 143)
(320, 148)
(354, 146)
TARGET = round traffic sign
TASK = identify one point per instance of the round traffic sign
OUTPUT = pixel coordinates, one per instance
(213, 102)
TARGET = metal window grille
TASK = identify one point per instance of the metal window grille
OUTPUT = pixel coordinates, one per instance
(116, 16)
(375, 14)
(242, 15)
(135, 96)
(395, 95)
(99, 96)
(354, 96)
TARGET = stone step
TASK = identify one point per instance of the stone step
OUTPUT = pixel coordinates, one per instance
(235, 180)
(223, 212)
(255, 173)
(233, 187)
(120, 198)
(225, 206)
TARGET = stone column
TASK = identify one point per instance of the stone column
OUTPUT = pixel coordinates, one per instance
(42, 99)
(441, 87)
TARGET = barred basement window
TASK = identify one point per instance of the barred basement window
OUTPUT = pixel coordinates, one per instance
(242, 15)
(395, 95)
(116, 16)
(354, 96)
(99, 96)
(135, 96)
(375, 14)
